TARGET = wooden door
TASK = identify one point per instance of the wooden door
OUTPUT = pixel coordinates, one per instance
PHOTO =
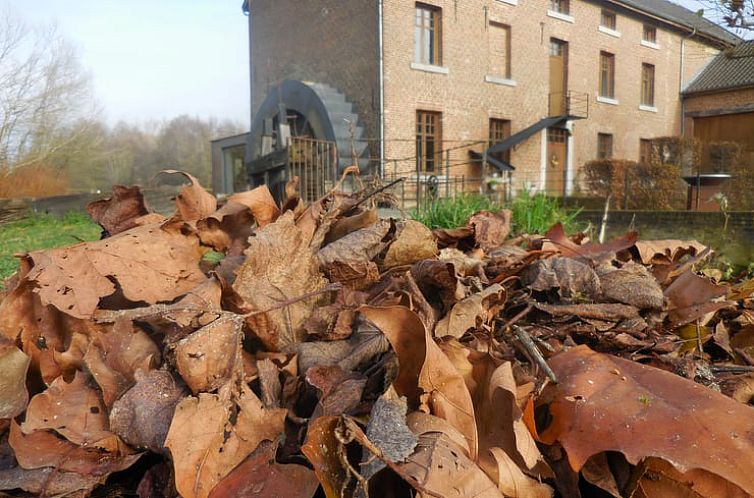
(737, 128)
(557, 156)
(558, 76)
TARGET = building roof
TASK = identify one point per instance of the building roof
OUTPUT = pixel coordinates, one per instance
(676, 14)
(732, 68)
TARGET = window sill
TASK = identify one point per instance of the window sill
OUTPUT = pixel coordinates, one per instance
(509, 2)
(499, 80)
(609, 31)
(561, 16)
(649, 44)
(607, 100)
(429, 68)
(648, 108)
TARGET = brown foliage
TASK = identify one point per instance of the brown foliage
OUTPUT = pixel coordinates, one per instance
(32, 181)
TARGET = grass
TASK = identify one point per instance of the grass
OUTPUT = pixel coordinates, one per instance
(531, 214)
(42, 232)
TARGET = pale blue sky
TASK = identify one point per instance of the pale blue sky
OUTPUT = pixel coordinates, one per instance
(155, 59)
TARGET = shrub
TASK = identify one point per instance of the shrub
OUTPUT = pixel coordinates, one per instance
(32, 181)
(634, 185)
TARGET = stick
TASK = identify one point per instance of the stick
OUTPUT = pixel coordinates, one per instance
(536, 355)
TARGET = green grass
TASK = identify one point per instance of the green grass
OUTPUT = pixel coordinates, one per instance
(42, 232)
(531, 214)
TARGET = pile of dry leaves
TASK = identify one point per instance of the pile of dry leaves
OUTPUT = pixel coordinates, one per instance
(332, 353)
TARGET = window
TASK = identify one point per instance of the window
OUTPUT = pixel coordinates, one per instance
(607, 75)
(427, 35)
(500, 129)
(428, 141)
(647, 85)
(500, 49)
(604, 146)
(649, 34)
(645, 150)
(561, 6)
(608, 20)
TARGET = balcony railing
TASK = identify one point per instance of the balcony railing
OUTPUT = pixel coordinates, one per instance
(575, 105)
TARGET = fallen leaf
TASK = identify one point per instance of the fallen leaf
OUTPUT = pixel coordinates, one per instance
(193, 203)
(207, 441)
(425, 371)
(472, 313)
(147, 264)
(511, 481)
(142, 416)
(438, 282)
(14, 364)
(491, 229)
(207, 358)
(388, 431)
(279, 267)
(322, 450)
(661, 479)
(74, 410)
(438, 465)
(641, 414)
(261, 476)
(261, 204)
(665, 252)
(118, 213)
(349, 224)
(359, 246)
(570, 277)
(340, 390)
(49, 482)
(413, 242)
(633, 285)
(691, 296)
(557, 240)
(601, 311)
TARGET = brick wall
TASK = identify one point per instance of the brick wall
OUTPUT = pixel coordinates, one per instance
(325, 41)
(468, 101)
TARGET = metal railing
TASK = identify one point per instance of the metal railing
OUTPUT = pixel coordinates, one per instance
(315, 163)
(572, 104)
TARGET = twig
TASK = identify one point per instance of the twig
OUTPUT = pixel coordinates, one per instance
(328, 288)
(377, 191)
(531, 348)
(521, 314)
(731, 368)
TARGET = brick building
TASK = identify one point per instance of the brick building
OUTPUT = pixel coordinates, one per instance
(424, 88)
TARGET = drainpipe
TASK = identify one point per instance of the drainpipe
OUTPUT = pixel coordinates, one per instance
(680, 80)
(380, 28)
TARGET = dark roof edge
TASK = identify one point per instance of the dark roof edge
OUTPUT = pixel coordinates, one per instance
(722, 89)
(685, 27)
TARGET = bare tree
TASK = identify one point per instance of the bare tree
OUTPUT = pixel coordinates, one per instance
(737, 15)
(43, 90)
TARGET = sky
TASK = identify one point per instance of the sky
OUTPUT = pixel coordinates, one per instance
(156, 59)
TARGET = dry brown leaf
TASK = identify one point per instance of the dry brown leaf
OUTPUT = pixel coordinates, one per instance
(227, 230)
(207, 358)
(193, 203)
(322, 450)
(147, 264)
(557, 240)
(114, 354)
(425, 371)
(644, 412)
(510, 479)
(73, 410)
(14, 364)
(572, 278)
(142, 416)
(118, 213)
(665, 252)
(340, 390)
(260, 476)
(633, 285)
(491, 229)
(472, 313)
(42, 449)
(346, 225)
(661, 479)
(356, 275)
(207, 443)
(611, 312)
(356, 247)
(260, 202)
(691, 296)
(439, 465)
(279, 267)
(413, 242)
(49, 482)
(438, 282)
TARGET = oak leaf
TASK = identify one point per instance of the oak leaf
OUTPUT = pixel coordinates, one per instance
(118, 213)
